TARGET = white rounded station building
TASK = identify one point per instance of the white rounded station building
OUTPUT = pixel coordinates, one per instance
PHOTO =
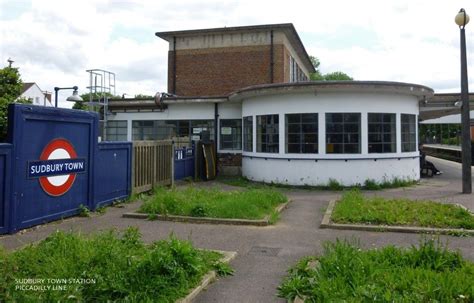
(310, 133)
(247, 90)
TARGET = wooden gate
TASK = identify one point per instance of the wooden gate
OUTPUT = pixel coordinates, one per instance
(152, 164)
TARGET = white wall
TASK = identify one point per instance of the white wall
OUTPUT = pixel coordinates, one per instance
(335, 166)
(310, 172)
(36, 95)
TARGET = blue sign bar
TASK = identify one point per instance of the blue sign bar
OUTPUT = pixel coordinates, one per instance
(48, 168)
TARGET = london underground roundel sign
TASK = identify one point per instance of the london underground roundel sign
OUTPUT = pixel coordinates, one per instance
(57, 167)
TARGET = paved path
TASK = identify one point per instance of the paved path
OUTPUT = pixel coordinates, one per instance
(265, 253)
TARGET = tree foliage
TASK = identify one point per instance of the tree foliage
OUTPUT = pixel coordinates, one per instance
(10, 89)
(142, 96)
(96, 97)
(334, 76)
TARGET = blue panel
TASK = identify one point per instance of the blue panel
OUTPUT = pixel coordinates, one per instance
(113, 172)
(184, 163)
(5, 168)
(42, 133)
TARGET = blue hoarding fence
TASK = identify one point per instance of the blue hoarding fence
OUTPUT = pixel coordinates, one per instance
(5, 177)
(184, 162)
(54, 164)
(112, 172)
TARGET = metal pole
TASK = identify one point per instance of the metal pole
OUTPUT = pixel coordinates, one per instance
(465, 121)
(56, 89)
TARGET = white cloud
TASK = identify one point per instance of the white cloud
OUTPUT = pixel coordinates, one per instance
(54, 42)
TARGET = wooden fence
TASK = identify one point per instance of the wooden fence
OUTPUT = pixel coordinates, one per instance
(152, 164)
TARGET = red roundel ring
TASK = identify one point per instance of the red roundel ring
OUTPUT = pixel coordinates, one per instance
(48, 187)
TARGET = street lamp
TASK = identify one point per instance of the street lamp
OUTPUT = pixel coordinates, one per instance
(461, 20)
(74, 98)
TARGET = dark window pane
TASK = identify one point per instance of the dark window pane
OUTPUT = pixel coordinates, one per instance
(310, 148)
(309, 118)
(294, 128)
(267, 133)
(293, 148)
(352, 117)
(334, 138)
(351, 148)
(334, 117)
(293, 118)
(334, 128)
(310, 128)
(351, 128)
(310, 138)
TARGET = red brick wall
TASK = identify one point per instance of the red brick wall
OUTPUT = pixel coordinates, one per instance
(220, 71)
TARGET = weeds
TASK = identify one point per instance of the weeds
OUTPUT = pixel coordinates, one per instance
(117, 268)
(428, 272)
(84, 211)
(333, 184)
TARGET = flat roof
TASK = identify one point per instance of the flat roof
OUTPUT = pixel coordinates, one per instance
(288, 28)
(420, 91)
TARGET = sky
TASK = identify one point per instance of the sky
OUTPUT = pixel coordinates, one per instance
(53, 43)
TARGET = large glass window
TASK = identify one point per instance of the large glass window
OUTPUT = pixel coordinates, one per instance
(116, 131)
(382, 133)
(408, 133)
(302, 133)
(248, 134)
(144, 130)
(343, 133)
(267, 134)
(231, 134)
(202, 129)
(179, 130)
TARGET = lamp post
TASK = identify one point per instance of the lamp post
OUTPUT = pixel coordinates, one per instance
(74, 98)
(461, 20)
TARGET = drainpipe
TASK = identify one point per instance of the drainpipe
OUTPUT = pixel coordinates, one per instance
(271, 56)
(174, 65)
(216, 128)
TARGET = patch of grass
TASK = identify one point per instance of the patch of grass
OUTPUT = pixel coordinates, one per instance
(107, 267)
(345, 273)
(274, 217)
(355, 208)
(214, 203)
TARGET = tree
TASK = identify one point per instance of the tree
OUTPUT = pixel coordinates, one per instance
(10, 89)
(95, 98)
(142, 96)
(335, 76)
